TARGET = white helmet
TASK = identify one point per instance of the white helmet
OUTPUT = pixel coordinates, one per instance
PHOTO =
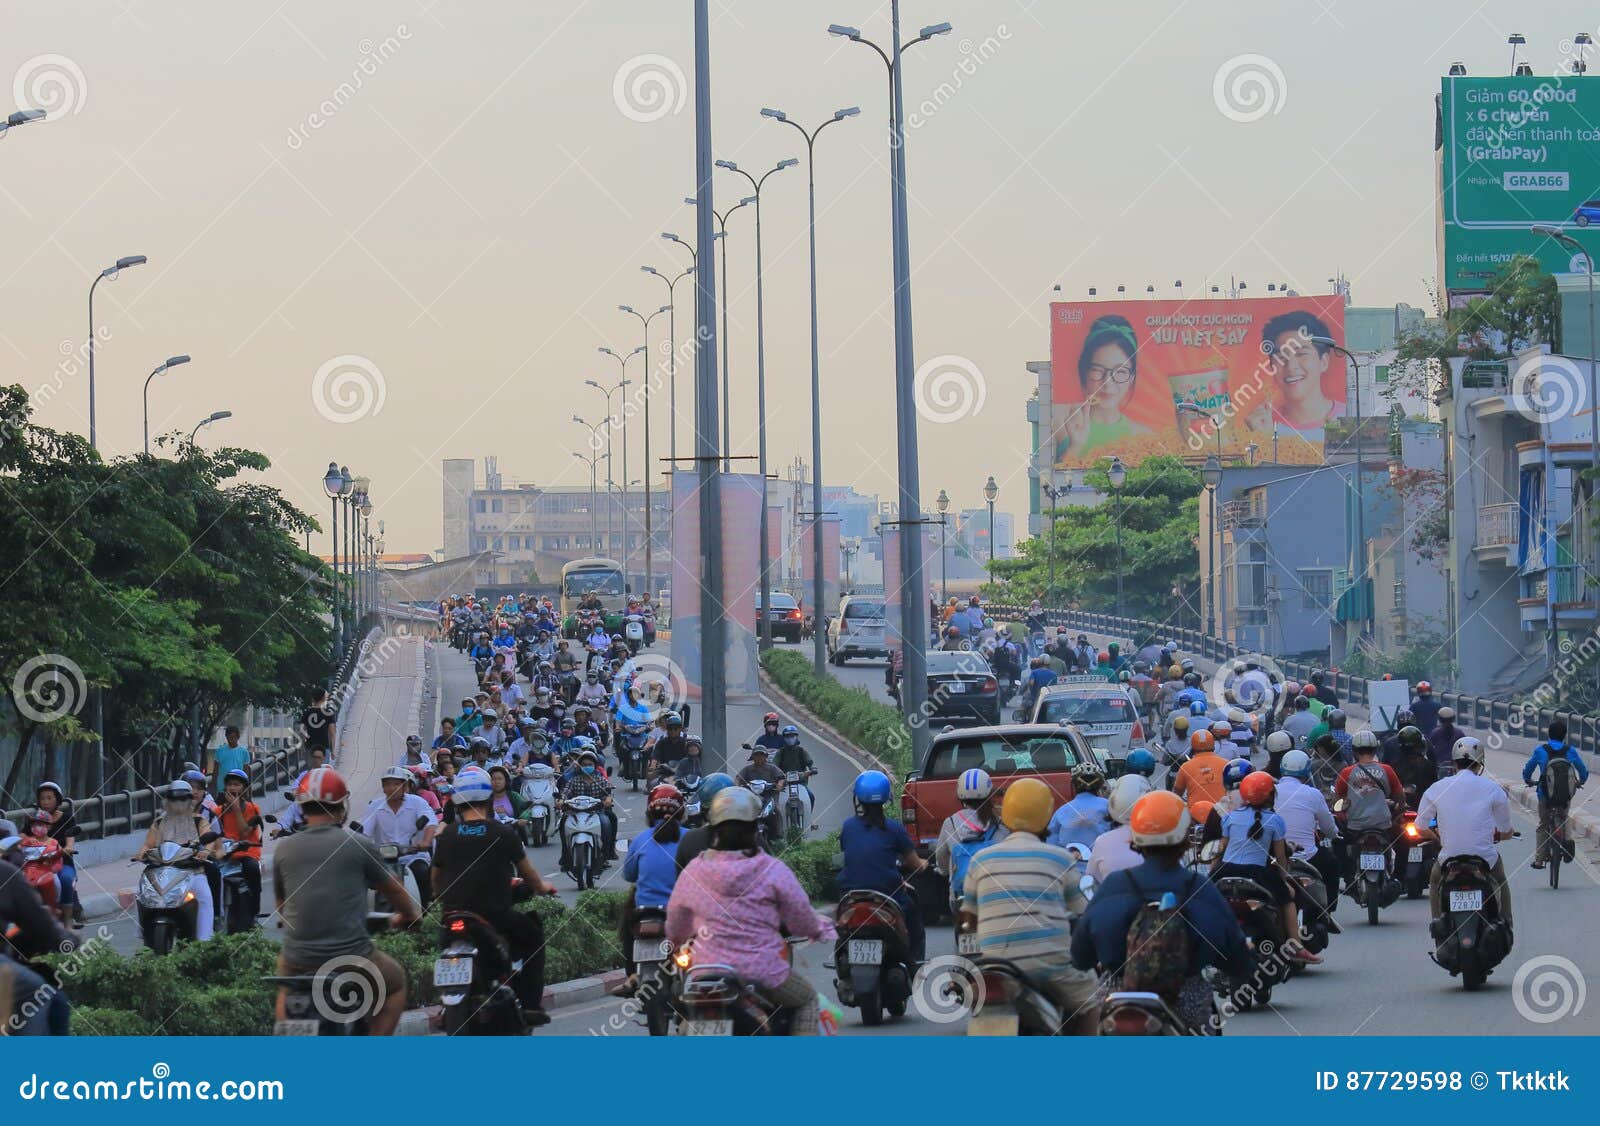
(1364, 740)
(397, 774)
(1279, 741)
(974, 785)
(1296, 764)
(1467, 749)
(734, 804)
(1237, 717)
(1126, 790)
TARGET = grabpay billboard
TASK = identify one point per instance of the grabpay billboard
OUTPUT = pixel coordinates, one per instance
(1136, 378)
(1517, 151)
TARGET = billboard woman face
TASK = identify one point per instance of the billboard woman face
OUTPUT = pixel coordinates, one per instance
(1108, 378)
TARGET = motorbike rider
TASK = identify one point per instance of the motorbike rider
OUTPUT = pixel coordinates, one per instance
(49, 798)
(1040, 677)
(1278, 744)
(238, 811)
(474, 860)
(1254, 846)
(1373, 792)
(39, 1006)
(1022, 895)
(1299, 724)
(1175, 747)
(447, 739)
(976, 817)
(592, 692)
(1473, 815)
(1555, 748)
(652, 864)
(1413, 764)
(1306, 819)
(692, 764)
(181, 823)
(1083, 818)
(1200, 777)
(879, 855)
(468, 722)
(670, 745)
(1442, 739)
(1424, 708)
(1159, 824)
(392, 820)
(587, 781)
(696, 840)
(760, 768)
(734, 904)
(1113, 849)
(792, 758)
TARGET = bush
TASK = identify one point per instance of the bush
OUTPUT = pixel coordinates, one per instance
(812, 862)
(876, 728)
(109, 1022)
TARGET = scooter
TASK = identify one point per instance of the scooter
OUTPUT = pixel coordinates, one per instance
(1470, 938)
(395, 859)
(42, 861)
(233, 911)
(630, 751)
(767, 794)
(538, 789)
(714, 1000)
(652, 953)
(689, 786)
(167, 908)
(1374, 886)
(1316, 926)
(872, 961)
(472, 976)
(633, 633)
(1262, 922)
(312, 1002)
(795, 813)
(1131, 1013)
(584, 837)
(1421, 855)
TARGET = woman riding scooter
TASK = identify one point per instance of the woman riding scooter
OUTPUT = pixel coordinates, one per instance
(879, 856)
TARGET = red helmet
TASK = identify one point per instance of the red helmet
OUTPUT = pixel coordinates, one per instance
(1257, 788)
(322, 786)
(666, 798)
(1105, 657)
(770, 717)
(1423, 688)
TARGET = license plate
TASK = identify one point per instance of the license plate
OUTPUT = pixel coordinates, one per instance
(1415, 855)
(966, 944)
(1466, 900)
(452, 971)
(296, 1028)
(1372, 861)
(994, 1023)
(708, 1028)
(956, 686)
(866, 951)
(650, 949)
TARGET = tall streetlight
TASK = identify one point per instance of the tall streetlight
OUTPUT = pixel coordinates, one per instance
(913, 603)
(649, 516)
(594, 516)
(942, 503)
(672, 353)
(214, 416)
(1361, 507)
(623, 381)
(610, 483)
(1049, 490)
(1118, 474)
(347, 489)
(594, 449)
(20, 117)
(1212, 476)
(363, 506)
(110, 271)
(819, 642)
(990, 491)
(722, 218)
(333, 485)
(168, 363)
(761, 399)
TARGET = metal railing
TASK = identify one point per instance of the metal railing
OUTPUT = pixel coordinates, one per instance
(1497, 524)
(1573, 584)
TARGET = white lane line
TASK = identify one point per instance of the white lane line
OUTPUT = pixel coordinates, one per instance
(835, 748)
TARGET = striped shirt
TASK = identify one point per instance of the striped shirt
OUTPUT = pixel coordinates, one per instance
(1025, 895)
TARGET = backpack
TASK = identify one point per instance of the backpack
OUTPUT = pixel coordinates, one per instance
(1160, 947)
(1367, 791)
(1557, 777)
(961, 854)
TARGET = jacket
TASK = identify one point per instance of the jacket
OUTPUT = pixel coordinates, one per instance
(1541, 757)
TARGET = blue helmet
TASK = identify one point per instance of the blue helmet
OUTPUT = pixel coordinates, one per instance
(1140, 761)
(194, 777)
(712, 785)
(472, 786)
(1198, 707)
(1235, 772)
(872, 788)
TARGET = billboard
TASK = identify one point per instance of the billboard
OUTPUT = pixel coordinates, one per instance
(741, 577)
(1136, 378)
(1515, 152)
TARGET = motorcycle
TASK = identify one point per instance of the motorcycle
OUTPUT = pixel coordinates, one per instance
(232, 911)
(1421, 855)
(1316, 926)
(305, 1008)
(633, 633)
(42, 861)
(538, 789)
(795, 812)
(167, 908)
(1006, 1002)
(767, 794)
(1374, 886)
(1470, 938)
(689, 786)
(630, 751)
(396, 859)
(652, 953)
(713, 1000)
(472, 976)
(1262, 922)
(1131, 1013)
(872, 961)
(584, 822)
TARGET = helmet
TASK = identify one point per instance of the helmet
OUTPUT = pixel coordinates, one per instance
(583, 743)
(1187, 664)
(1124, 793)
(568, 722)
(1159, 818)
(413, 740)
(1221, 728)
(1335, 718)
(872, 788)
(1234, 773)
(1198, 707)
(954, 631)
(396, 774)
(322, 786)
(790, 730)
(1404, 718)
(478, 741)
(1105, 657)
(1447, 715)
(1410, 736)
(1291, 689)
(1087, 777)
(666, 799)
(1257, 788)
(672, 719)
(712, 785)
(194, 777)
(1180, 724)
(1237, 717)
(1027, 806)
(1201, 813)
(1364, 741)
(974, 785)
(472, 787)
(179, 790)
(587, 753)
(1302, 701)
(237, 775)
(1279, 741)
(1202, 741)
(1467, 749)
(1295, 764)
(52, 787)
(734, 803)
(1423, 688)
(769, 718)
(1140, 761)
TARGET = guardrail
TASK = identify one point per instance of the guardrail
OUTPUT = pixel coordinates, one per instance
(1472, 712)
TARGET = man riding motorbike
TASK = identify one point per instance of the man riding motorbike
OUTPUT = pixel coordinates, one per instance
(587, 781)
(1113, 850)
(1473, 815)
(792, 758)
(238, 811)
(1083, 818)
(1307, 818)
(760, 769)
(1374, 793)
(1412, 763)
(392, 820)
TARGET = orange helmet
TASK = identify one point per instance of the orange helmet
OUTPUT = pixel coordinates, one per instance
(322, 786)
(1202, 741)
(1201, 811)
(1257, 788)
(1159, 818)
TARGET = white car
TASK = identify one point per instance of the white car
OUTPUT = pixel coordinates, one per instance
(1107, 715)
(858, 630)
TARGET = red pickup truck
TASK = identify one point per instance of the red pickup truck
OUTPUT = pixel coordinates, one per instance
(1046, 751)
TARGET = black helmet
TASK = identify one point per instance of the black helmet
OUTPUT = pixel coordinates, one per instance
(1410, 737)
(1335, 718)
(1191, 679)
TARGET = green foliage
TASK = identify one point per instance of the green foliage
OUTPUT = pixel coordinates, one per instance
(812, 862)
(1424, 657)
(109, 1022)
(876, 728)
(1158, 508)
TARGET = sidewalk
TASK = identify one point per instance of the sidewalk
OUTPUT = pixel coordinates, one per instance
(372, 734)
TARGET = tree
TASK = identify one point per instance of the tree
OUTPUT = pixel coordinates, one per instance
(1159, 510)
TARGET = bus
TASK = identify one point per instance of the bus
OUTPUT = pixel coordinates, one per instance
(599, 576)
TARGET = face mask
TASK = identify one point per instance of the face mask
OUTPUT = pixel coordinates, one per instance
(587, 769)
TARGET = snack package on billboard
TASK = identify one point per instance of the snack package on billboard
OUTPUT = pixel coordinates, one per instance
(1207, 390)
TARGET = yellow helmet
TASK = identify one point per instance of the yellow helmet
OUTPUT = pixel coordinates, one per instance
(1027, 806)
(1180, 724)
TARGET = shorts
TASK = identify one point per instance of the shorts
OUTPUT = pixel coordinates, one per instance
(389, 973)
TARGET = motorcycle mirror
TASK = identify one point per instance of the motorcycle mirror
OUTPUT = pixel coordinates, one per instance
(1210, 851)
(747, 746)
(269, 818)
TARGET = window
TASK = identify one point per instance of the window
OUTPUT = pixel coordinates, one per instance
(494, 506)
(514, 504)
(949, 758)
(515, 542)
(1318, 589)
(497, 544)
(1380, 374)
(478, 505)
(856, 609)
(1086, 709)
(479, 543)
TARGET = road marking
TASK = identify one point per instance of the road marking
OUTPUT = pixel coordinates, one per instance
(846, 755)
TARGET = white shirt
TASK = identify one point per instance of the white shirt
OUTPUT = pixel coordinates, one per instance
(511, 695)
(383, 825)
(1470, 809)
(1304, 810)
(1113, 852)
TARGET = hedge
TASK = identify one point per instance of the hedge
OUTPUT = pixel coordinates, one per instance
(876, 728)
(813, 865)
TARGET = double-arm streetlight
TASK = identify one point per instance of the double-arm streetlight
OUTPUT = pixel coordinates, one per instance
(214, 416)
(722, 218)
(623, 381)
(649, 516)
(594, 516)
(913, 603)
(594, 447)
(1118, 473)
(761, 398)
(672, 353)
(167, 364)
(610, 481)
(110, 271)
(20, 117)
(819, 645)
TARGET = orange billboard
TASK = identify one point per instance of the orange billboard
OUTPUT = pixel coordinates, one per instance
(1135, 378)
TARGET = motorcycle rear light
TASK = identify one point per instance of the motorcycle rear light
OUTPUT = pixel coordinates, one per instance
(1411, 831)
(861, 915)
(682, 958)
(458, 926)
(188, 897)
(1130, 1021)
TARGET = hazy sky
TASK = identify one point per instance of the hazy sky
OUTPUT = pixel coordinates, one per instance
(468, 211)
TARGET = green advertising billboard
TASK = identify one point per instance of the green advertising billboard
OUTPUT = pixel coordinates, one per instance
(1518, 151)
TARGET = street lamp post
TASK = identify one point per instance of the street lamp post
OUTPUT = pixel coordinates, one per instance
(623, 381)
(347, 488)
(672, 363)
(169, 362)
(1361, 508)
(363, 504)
(694, 261)
(942, 503)
(110, 271)
(722, 218)
(914, 604)
(1053, 493)
(610, 484)
(990, 491)
(214, 416)
(1118, 473)
(819, 642)
(594, 491)
(649, 516)
(333, 485)
(594, 516)
(1212, 476)
(20, 117)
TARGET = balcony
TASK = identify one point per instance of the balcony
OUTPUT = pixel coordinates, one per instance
(1250, 512)
(1574, 594)
(1498, 531)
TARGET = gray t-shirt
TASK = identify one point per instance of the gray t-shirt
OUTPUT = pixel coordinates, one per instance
(321, 875)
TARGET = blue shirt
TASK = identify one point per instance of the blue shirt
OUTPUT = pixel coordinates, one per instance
(230, 758)
(872, 855)
(1241, 849)
(1080, 821)
(1040, 678)
(1542, 755)
(1101, 936)
(653, 867)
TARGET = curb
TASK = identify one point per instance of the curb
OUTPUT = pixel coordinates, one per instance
(790, 704)
(1584, 826)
